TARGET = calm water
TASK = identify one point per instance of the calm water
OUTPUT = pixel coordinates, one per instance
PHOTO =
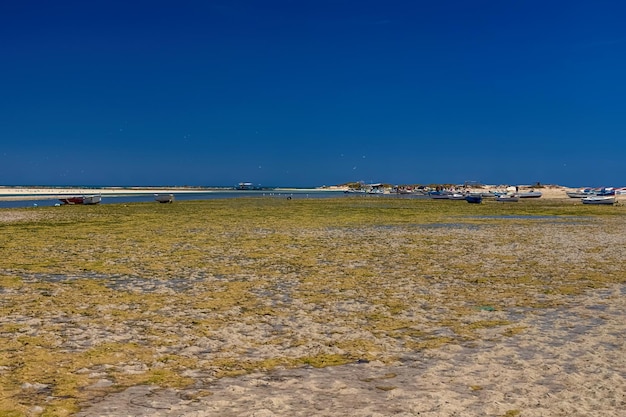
(296, 194)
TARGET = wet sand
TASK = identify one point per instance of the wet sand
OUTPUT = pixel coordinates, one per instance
(569, 361)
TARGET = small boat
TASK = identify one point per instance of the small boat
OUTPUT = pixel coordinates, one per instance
(78, 199)
(247, 186)
(164, 198)
(474, 198)
(376, 191)
(508, 198)
(597, 199)
(92, 199)
(440, 195)
(530, 194)
(81, 199)
(456, 196)
(586, 192)
(606, 191)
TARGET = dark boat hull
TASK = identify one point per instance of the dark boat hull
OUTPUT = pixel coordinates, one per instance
(86, 200)
(164, 198)
(474, 199)
(72, 200)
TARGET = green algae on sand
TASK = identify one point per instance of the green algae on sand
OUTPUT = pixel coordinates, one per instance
(119, 295)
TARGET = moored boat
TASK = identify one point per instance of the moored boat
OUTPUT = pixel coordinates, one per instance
(92, 199)
(164, 198)
(81, 199)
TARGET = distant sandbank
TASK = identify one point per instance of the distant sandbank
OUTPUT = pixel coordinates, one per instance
(50, 193)
(17, 193)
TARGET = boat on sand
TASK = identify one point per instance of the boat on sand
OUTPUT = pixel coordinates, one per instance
(530, 194)
(585, 192)
(597, 199)
(474, 198)
(508, 198)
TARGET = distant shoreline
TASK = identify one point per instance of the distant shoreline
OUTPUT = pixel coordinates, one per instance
(8, 193)
(27, 193)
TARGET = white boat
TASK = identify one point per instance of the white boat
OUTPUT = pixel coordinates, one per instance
(164, 198)
(457, 196)
(92, 199)
(530, 194)
(597, 199)
(440, 195)
(376, 191)
(582, 193)
(508, 198)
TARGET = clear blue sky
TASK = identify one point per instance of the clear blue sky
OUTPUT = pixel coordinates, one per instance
(307, 93)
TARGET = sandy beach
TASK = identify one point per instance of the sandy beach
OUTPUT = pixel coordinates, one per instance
(51, 193)
(569, 361)
(353, 307)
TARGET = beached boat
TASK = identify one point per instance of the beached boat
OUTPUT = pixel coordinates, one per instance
(530, 194)
(440, 195)
(606, 191)
(585, 192)
(164, 198)
(474, 198)
(598, 199)
(457, 196)
(78, 199)
(81, 199)
(508, 198)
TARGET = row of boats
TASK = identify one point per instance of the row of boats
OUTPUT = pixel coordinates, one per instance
(603, 196)
(477, 198)
(96, 199)
(587, 196)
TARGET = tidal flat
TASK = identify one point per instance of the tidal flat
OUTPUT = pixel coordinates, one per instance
(95, 300)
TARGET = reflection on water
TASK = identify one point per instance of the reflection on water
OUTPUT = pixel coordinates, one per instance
(530, 217)
(468, 226)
